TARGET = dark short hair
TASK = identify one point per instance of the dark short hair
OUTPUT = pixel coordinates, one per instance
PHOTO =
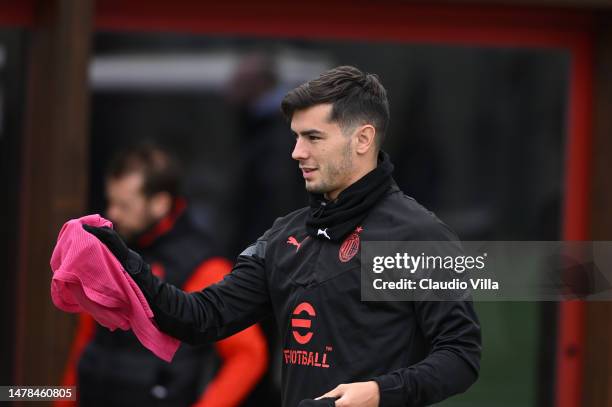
(160, 170)
(357, 98)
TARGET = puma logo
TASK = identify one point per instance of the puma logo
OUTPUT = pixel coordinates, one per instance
(324, 233)
(293, 241)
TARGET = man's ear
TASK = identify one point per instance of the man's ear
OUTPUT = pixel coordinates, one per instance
(365, 139)
(160, 204)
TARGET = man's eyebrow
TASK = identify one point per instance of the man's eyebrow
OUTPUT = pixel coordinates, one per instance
(309, 132)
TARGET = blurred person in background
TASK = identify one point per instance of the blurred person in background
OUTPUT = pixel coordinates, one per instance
(113, 368)
(255, 92)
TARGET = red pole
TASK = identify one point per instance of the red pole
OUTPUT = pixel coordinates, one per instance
(570, 349)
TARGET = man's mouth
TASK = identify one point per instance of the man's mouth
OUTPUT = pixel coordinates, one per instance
(307, 172)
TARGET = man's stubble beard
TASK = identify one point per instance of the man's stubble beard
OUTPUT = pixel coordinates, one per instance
(132, 235)
(336, 172)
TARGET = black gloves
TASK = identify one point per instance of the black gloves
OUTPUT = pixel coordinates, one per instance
(129, 259)
(324, 402)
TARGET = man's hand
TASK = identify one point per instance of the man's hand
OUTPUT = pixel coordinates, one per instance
(129, 259)
(361, 394)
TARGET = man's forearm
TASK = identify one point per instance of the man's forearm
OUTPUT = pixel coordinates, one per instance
(211, 314)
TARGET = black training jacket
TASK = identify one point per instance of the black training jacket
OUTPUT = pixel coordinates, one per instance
(419, 353)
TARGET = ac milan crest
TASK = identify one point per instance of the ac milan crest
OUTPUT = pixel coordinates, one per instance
(350, 246)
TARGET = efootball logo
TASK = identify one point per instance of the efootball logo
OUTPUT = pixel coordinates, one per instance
(301, 323)
(302, 326)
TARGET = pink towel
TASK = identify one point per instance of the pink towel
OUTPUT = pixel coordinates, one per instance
(87, 277)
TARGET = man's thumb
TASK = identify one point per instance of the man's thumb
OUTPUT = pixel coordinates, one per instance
(334, 393)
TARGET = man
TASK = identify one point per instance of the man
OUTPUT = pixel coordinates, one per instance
(306, 271)
(142, 187)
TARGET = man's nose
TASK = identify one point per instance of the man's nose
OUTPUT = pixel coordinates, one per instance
(300, 151)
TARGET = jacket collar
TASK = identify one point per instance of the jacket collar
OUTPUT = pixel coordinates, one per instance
(164, 226)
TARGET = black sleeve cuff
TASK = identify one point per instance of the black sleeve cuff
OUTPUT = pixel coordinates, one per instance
(392, 393)
(133, 263)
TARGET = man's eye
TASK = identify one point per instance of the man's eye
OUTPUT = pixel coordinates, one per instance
(313, 138)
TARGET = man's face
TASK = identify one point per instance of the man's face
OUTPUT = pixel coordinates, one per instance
(128, 208)
(325, 154)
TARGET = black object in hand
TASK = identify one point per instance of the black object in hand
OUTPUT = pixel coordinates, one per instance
(324, 402)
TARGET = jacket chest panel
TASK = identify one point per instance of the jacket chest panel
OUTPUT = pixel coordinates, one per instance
(317, 295)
